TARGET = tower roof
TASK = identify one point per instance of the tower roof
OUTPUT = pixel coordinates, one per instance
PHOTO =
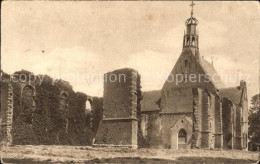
(192, 20)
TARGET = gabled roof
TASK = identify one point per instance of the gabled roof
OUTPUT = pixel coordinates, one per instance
(234, 94)
(150, 99)
(176, 118)
(206, 68)
(212, 73)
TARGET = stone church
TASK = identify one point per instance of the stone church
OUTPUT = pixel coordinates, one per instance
(192, 110)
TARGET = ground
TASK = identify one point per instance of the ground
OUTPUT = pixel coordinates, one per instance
(86, 154)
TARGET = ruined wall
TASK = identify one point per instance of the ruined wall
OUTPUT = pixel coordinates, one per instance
(6, 113)
(151, 129)
(120, 116)
(97, 111)
(39, 116)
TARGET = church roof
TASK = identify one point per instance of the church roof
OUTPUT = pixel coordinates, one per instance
(212, 73)
(150, 99)
(234, 94)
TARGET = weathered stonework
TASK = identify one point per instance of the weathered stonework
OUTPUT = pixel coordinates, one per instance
(218, 124)
(120, 116)
(6, 113)
(151, 129)
(205, 131)
(227, 124)
(31, 113)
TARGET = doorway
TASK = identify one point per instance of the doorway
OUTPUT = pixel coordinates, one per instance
(182, 139)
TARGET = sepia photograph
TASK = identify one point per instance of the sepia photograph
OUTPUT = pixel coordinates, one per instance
(130, 82)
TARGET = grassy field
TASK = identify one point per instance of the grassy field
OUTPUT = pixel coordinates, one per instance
(85, 154)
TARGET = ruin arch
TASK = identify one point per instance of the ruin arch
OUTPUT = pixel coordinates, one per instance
(27, 102)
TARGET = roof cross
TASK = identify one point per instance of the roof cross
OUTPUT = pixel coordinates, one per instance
(192, 4)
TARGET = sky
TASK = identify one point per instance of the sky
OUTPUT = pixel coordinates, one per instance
(81, 40)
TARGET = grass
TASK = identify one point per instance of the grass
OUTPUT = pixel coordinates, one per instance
(87, 154)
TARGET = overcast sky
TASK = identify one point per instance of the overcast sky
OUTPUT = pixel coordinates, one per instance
(89, 38)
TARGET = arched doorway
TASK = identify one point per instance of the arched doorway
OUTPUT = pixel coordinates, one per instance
(182, 139)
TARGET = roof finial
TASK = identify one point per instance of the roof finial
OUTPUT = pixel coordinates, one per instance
(212, 58)
(192, 4)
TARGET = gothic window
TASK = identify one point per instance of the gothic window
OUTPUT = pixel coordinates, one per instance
(186, 63)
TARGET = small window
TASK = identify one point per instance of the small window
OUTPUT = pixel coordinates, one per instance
(88, 106)
(188, 40)
(186, 63)
(193, 41)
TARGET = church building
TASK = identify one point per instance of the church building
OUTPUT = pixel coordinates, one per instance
(194, 109)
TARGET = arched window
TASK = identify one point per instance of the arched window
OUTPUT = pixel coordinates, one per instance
(182, 139)
(88, 106)
(193, 41)
(186, 63)
(188, 40)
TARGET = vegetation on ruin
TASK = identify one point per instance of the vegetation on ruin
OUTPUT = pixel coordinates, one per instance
(49, 122)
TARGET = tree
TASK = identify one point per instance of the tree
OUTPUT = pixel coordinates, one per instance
(254, 119)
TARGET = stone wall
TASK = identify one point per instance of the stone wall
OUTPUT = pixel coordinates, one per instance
(177, 100)
(245, 122)
(6, 112)
(151, 129)
(41, 115)
(170, 122)
(197, 117)
(227, 125)
(205, 121)
(218, 124)
(121, 109)
(238, 126)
